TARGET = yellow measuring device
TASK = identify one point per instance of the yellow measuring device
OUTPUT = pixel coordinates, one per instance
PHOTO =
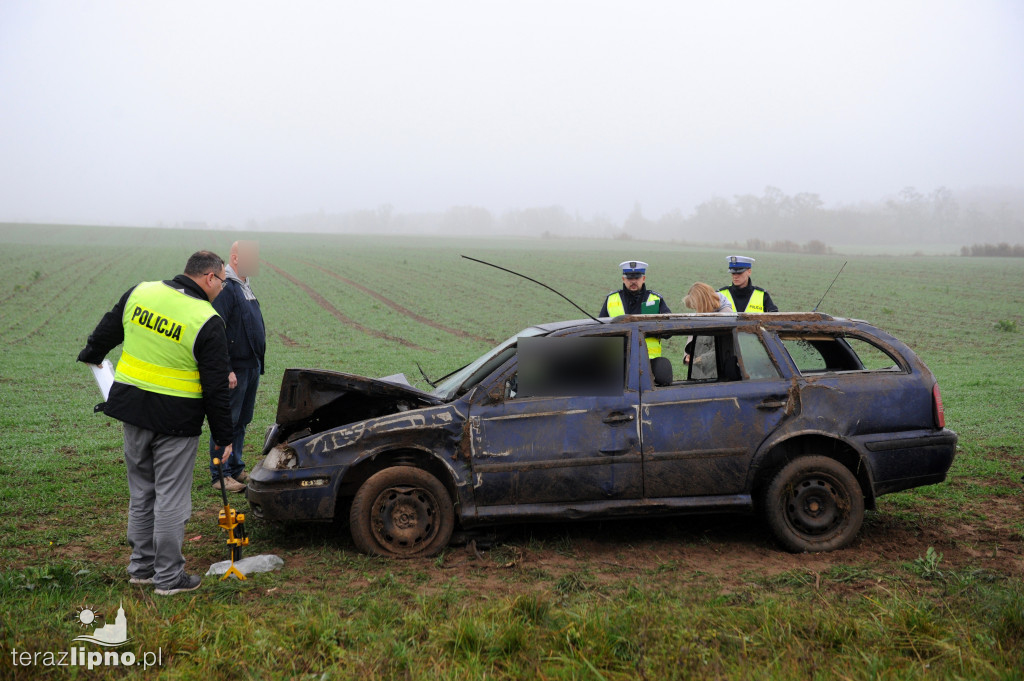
(234, 524)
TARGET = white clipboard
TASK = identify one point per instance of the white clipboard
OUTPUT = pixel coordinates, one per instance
(104, 375)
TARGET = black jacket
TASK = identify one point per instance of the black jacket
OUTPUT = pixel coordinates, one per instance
(247, 336)
(741, 296)
(167, 414)
(631, 301)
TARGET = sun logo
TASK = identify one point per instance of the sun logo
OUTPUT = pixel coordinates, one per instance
(87, 616)
(111, 634)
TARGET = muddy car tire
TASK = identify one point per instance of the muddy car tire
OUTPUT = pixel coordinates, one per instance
(402, 512)
(814, 504)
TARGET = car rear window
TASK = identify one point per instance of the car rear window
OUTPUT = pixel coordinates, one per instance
(816, 353)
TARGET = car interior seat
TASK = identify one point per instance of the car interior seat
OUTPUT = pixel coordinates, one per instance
(661, 368)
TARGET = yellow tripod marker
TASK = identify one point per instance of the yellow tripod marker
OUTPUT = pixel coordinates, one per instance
(234, 524)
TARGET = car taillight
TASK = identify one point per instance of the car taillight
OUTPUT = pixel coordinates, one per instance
(938, 411)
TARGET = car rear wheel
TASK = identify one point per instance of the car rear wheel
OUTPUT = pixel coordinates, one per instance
(402, 512)
(814, 504)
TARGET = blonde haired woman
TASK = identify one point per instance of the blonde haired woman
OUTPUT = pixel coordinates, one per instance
(703, 298)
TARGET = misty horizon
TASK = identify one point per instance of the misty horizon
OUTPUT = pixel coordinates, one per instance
(256, 113)
(772, 221)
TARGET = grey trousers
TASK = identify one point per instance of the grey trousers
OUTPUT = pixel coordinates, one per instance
(160, 483)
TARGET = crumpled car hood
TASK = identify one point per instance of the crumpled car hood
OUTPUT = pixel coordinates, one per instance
(315, 400)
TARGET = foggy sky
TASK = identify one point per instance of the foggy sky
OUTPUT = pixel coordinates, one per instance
(225, 111)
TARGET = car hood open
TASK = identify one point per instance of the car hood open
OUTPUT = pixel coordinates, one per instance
(315, 400)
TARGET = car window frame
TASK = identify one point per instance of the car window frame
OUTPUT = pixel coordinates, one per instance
(501, 375)
(659, 329)
(782, 335)
(709, 325)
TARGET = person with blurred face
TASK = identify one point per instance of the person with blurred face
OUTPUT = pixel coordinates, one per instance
(635, 298)
(743, 295)
(173, 373)
(247, 343)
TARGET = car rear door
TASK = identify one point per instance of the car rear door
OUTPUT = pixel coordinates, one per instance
(536, 450)
(699, 436)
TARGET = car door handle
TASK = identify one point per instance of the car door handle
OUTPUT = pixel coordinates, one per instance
(771, 404)
(619, 417)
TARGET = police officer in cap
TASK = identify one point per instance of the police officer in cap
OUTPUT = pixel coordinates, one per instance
(635, 298)
(744, 296)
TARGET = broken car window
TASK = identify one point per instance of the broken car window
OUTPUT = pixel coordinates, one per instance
(871, 356)
(471, 374)
(815, 354)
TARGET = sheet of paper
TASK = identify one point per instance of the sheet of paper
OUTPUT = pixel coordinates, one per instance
(104, 375)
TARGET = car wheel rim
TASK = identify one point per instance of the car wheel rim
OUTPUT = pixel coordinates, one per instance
(816, 505)
(404, 519)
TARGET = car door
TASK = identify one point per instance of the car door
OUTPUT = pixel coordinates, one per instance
(698, 436)
(556, 449)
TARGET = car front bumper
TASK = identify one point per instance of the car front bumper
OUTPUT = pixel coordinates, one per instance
(294, 494)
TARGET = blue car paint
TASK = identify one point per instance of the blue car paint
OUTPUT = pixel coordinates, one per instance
(651, 450)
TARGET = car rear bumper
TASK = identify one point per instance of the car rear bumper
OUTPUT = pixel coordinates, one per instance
(296, 494)
(900, 461)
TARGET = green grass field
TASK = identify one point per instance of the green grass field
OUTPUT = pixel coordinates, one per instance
(931, 589)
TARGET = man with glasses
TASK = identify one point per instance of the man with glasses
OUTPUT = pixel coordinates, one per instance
(635, 298)
(743, 295)
(173, 373)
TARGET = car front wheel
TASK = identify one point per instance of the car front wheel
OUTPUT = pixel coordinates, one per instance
(814, 504)
(402, 512)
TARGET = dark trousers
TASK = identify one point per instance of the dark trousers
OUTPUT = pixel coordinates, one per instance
(243, 399)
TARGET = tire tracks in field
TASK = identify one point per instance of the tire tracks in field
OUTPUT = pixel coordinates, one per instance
(80, 290)
(24, 289)
(44, 275)
(337, 314)
(400, 309)
(289, 342)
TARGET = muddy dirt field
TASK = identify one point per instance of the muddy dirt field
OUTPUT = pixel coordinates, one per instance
(724, 550)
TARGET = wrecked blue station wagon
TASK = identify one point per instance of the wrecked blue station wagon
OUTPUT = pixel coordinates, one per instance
(800, 418)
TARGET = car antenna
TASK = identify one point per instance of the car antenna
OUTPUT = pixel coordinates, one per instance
(829, 287)
(483, 262)
(424, 375)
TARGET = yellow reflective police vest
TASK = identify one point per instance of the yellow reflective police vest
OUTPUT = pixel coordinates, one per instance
(755, 304)
(650, 306)
(160, 329)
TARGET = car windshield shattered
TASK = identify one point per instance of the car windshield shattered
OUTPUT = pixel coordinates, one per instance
(465, 378)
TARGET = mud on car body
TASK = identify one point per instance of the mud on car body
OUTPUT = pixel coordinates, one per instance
(802, 419)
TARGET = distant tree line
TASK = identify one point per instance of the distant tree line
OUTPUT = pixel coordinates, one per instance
(812, 247)
(908, 217)
(772, 221)
(1001, 250)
